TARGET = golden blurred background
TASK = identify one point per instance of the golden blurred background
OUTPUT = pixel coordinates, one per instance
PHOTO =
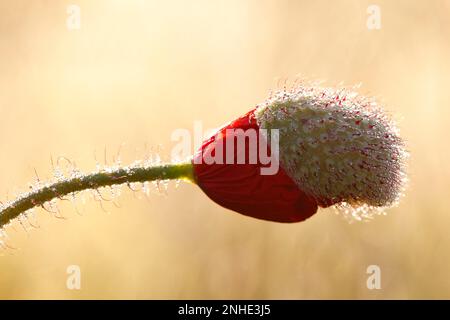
(137, 70)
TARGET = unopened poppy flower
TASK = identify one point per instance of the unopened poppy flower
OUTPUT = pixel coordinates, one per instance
(300, 150)
(335, 147)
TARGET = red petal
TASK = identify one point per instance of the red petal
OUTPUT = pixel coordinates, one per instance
(242, 188)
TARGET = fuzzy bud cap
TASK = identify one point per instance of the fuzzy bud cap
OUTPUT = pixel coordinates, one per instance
(338, 147)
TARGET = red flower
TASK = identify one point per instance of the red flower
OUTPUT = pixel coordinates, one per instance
(334, 148)
(242, 187)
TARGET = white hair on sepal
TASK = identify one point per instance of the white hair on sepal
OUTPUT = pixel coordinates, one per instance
(340, 148)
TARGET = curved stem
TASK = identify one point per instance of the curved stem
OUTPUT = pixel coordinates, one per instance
(108, 177)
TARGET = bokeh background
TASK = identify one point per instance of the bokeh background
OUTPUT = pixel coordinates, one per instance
(137, 70)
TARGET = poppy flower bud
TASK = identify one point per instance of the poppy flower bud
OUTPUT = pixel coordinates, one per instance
(334, 148)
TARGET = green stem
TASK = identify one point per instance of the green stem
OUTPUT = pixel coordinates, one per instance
(123, 175)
